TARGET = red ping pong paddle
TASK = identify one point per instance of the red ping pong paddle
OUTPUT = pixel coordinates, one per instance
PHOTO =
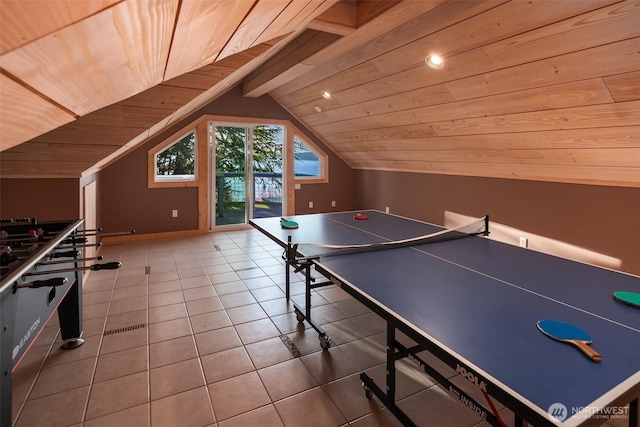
(629, 298)
(571, 334)
(361, 216)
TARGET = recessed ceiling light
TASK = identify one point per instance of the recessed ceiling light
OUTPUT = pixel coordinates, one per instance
(325, 94)
(318, 109)
(434, 61)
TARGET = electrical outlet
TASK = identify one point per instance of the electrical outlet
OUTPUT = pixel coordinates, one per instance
(333, 203)
(310, 204)
(386, 209)
(174, 213)
(524, 242)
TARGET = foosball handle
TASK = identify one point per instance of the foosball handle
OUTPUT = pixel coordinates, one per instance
(75, 240)
(67, 254)
(56, 281)
(106, 266)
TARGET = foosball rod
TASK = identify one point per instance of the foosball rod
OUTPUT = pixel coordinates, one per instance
(81, 233)
(34, 247)
(67, 254)
(95, 267)
(90, 233)
(43, 241)
(56, 281)
(67, 261)
(48, 233)
(73, 246)
(97, 232)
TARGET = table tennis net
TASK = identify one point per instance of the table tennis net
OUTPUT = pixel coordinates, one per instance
(479, 226)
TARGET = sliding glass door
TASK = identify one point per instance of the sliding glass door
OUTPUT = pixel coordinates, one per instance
(248, 164)
(231, 152)
(267, 168)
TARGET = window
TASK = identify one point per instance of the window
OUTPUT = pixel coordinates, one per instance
(174, 161)
(178, 161)
(183, 159)
(310, 164)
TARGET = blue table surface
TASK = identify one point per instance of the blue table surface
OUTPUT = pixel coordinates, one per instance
(479, 300)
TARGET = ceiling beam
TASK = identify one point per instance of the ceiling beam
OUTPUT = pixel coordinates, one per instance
(369, 9)
(341, 19)
(288, 63)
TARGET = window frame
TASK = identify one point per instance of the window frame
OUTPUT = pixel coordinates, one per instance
(204, 158)
(159, 181)
(323, 161)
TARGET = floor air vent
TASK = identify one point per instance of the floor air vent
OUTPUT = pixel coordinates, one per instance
(125, 329)
(290, 345)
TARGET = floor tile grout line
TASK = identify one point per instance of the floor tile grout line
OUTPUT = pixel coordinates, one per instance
(148, 347)
(23, 404)
(255, 369)
(198, 357)
(104, 327)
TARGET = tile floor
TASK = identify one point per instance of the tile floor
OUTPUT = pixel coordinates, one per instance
(198, 341)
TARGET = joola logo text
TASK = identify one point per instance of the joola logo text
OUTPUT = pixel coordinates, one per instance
(473, 378)
(415, 361)
(465, 400)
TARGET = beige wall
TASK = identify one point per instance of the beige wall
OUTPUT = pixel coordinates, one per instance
(594, 224)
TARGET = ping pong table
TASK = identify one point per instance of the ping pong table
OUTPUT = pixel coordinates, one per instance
(474, 303)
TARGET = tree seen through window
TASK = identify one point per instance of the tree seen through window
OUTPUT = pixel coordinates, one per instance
(179, 159)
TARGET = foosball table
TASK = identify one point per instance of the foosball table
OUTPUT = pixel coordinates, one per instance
(41, 273)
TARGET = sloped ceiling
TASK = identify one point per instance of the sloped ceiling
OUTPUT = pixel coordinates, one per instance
(82, 80)
(530, 89)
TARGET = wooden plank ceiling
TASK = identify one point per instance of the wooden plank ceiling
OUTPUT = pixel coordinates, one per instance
(530, 89)
(82, 80)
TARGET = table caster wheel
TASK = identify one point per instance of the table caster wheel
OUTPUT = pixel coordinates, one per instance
(367, 392)
(325, 342)
(299, 316)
